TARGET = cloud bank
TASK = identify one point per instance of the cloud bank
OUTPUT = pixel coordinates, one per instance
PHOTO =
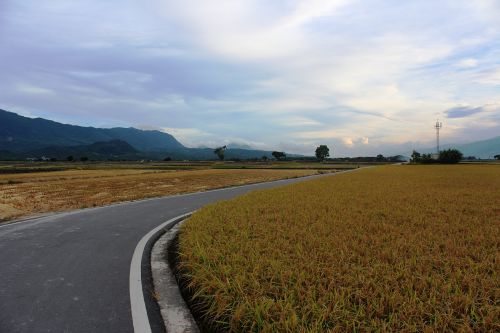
(364, 77)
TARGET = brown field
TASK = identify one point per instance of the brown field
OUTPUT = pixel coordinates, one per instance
(23, 194)
(408, 248)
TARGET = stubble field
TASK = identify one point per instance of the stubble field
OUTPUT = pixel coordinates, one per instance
(393, 248)
(26, 193)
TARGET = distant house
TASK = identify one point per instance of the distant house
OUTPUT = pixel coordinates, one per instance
(39, 159)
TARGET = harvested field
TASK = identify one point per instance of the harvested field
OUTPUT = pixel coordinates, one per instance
(393, 248)
(23, 194)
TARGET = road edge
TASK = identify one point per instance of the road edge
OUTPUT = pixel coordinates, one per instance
(176, 314)
(139, 267)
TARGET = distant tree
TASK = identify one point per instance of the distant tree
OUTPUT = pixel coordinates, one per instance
(427, 158)
(70, 158)
(84, 158)
(416, 157)
(219, 151)
(53, 159)
(470, 158)
(279, 155)
(497, 157)
(322, 152)
(380, 158)
(450, 156)
(264, 158)
(167, 159)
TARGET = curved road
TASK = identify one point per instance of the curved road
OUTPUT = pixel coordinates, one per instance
(69, 272)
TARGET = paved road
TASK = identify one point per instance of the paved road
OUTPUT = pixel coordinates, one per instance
(70, 272)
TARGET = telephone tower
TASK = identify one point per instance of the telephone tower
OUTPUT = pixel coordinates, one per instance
(438, 126)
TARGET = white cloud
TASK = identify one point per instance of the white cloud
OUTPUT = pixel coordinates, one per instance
(33, 90)
(249, 30)
(298, 121)
(348, 142)
(300, 72)
(308, 10)
(490, 77)
(191, 137)
(467, 63)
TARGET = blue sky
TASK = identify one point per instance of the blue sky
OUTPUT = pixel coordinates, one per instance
(363, 76)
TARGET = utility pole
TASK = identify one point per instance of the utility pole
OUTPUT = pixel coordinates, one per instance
(438, 126)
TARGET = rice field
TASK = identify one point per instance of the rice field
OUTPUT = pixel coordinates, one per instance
(28, 193)
(410, 248)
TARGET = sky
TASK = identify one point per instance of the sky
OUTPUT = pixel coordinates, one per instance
(362, 76)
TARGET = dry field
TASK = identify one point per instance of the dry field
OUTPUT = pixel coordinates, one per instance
(393, 248)
(25, 194)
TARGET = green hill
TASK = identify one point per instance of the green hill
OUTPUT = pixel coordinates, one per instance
(102, 150)
(20, 134)
(22, 137)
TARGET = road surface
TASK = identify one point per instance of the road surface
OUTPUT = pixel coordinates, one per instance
(69, 272)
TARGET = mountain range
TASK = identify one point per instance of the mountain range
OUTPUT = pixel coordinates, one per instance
(23, 137)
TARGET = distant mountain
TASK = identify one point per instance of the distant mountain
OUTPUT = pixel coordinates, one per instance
(22, 137)
(20, 134)
(102, 150)
(483, 149)
(480, 149)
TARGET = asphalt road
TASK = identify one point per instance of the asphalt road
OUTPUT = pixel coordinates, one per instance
(69, 272)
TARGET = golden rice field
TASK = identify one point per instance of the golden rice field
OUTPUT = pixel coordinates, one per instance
(408, 248)
(39, 192)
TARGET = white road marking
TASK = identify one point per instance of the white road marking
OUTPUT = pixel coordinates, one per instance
(137, 303)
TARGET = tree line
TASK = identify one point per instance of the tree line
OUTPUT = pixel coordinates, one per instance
(322, 152)
(448, 156)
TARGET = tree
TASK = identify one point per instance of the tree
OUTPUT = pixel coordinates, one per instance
(322, 152)
(219, 151)
(70, 158)
(497, 157)
(427, 158)
(278, 155)
(416, 157)
(450, 156)
(167, 159)
(84, 158)
(380, 158)
(264, 158)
